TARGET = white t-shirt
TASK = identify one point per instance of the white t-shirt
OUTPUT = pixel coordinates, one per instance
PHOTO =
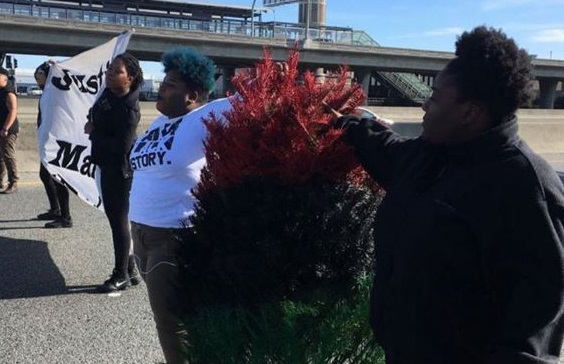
(166, 162)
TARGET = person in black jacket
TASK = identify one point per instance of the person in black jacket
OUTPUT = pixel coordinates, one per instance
(9, 129)
(57, 193)
(112, 127)
(469, 238)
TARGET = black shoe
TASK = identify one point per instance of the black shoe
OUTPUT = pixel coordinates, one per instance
(49, 215)
(117, 282)
(134, 275)
(59, 222)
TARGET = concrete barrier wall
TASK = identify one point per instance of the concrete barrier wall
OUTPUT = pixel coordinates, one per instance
(543, 130)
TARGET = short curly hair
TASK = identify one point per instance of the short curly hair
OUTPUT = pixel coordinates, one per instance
(133, 69)
(197, 70)
(490, 68)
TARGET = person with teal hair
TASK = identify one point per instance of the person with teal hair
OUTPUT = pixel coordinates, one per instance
(167, 161)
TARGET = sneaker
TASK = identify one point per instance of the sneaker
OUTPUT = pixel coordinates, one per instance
(134, 275)
(12, 188)
(59, 222)
(49, 215)
(117, 282)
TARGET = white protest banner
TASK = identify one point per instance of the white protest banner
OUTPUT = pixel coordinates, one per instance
(71, 89)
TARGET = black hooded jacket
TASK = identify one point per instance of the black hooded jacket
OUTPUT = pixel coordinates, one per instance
(115, 122)
(469, 248)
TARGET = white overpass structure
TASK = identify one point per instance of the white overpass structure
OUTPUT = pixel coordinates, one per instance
(67, 37)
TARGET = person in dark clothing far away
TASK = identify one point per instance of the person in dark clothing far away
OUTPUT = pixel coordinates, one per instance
(57, 193)
(9, 129)
(469, 238)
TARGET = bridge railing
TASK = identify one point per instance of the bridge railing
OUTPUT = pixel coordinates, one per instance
(409, 85)
(275, 30)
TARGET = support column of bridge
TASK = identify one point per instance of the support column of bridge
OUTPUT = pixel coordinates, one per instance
(547, 88)
(363, 77)
(227, 72)
(429, 80)
(319, 75)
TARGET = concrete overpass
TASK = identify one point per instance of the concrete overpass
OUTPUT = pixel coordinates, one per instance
(36, 35)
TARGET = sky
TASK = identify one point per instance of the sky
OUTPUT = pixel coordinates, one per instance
(536, 25)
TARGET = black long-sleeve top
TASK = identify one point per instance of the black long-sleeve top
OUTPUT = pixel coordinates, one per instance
(5, 111)
(115, 122)
(469, 248)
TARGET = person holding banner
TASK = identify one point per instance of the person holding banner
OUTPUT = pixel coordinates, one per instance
(167, 161)
(9, 128)
(57, 193)
(112, 128)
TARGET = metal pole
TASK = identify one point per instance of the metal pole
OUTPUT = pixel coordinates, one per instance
(253, 18)
(273, 23)
(274, 16)
(308, 15)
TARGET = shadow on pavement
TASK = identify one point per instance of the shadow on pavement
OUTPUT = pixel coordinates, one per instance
(25, 220)
(83, 289)
(27, 270)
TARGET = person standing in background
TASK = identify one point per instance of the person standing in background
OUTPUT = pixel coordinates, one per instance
(9, 129)
(112, 128)
(57, 193)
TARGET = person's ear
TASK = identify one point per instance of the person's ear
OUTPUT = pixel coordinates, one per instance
(192, 97)
(476, 113)
(470, 112)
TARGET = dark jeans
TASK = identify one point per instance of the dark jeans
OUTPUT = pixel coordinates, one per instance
(8, 158)
(115, 196)
(57, 193)
(156, 253)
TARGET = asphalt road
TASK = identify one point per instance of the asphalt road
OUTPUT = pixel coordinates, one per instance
(49, 312)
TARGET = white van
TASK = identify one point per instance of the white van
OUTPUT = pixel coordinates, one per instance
(34, 91)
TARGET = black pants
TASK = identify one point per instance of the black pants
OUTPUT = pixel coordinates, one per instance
(115, 196)
(156, 249)
(57, 194)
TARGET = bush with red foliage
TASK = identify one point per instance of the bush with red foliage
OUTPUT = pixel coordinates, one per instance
(279, 128)
(277, 265)
(283, 205)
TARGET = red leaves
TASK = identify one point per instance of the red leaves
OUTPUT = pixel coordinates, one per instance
(279, 128)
